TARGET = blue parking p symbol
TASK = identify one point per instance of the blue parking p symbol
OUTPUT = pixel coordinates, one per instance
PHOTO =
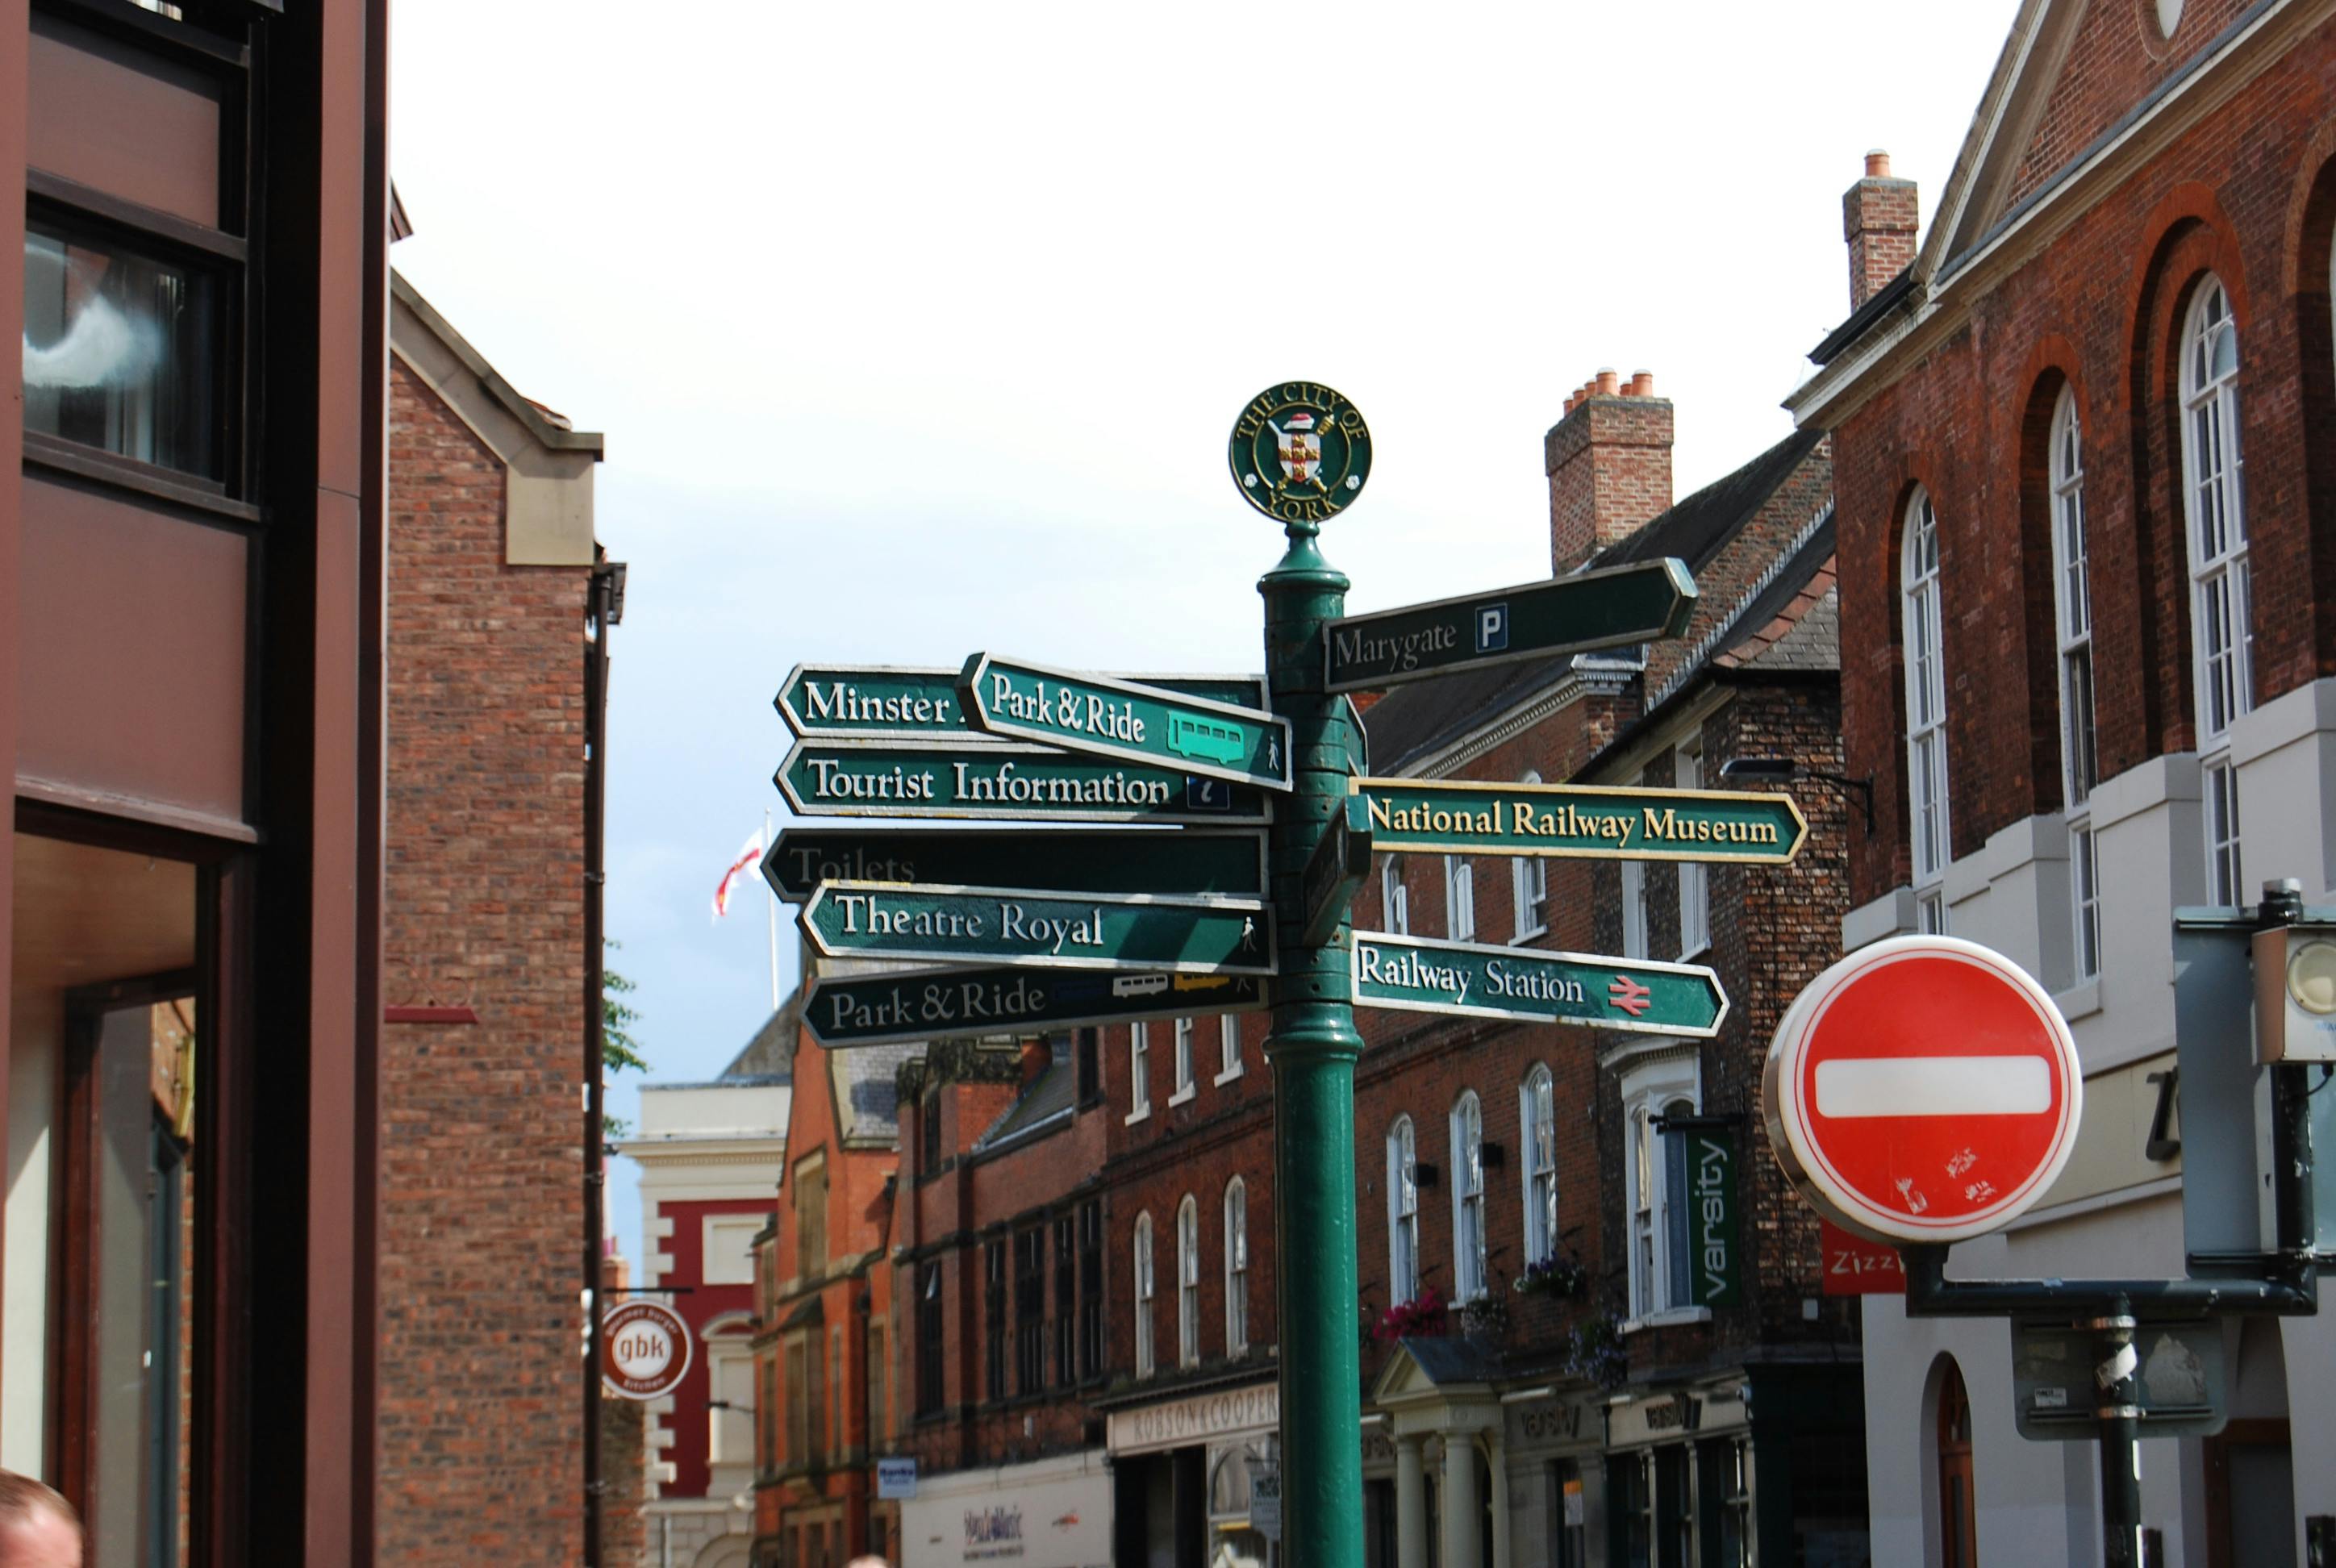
(1492, 628)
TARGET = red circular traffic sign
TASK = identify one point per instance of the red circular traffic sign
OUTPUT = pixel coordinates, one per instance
(1923, 1089)
(645, 1350)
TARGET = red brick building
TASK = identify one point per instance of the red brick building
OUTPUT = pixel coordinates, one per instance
(2085, 442)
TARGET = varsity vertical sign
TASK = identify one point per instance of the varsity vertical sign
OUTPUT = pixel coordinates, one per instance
(1715, 1260)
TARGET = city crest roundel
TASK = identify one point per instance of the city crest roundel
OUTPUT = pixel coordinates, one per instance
(1300, 452)
(645, 1348)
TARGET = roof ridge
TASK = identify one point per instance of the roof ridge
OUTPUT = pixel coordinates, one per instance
(1689, 666)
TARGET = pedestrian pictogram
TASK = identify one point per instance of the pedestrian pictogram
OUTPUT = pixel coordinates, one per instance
(1923, 1089)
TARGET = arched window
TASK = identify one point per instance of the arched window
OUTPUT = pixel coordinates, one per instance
(1958, 1502)
(1143, 1295)
(2073, 623)
(1236, 1268)
(2214, 505)
(1460, 898)
(1188, 1283)
(1537, 1117)
(1926, 711)
(1655, 1182)
(1467, 1198)
(1529, 888)
(1403, 1213)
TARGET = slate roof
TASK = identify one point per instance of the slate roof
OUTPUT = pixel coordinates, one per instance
(771, 1054)
(1421, 717)
(1050, 1095)
(1446, 1359)
(867, 1099)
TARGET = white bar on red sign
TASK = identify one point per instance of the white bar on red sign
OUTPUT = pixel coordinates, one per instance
(1934, 1087)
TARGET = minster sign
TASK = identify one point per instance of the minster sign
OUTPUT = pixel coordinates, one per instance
(1415, 974)
(901, 702)
(1462, 817)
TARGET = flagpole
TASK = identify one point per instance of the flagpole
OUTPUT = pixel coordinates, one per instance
(772, 897)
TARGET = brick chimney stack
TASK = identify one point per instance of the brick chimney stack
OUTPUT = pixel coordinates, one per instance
(1608, 462)
(1879, 220)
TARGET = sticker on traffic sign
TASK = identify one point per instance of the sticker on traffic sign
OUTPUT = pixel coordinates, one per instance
(877, 778)
(1923, 1089)
(645, 1350)
(1609, 607)
(903, 702)
(922, 1004)
(1107, 716)
(1230, 861)
(1416, 974)
(1473, 817)
(1013, 925)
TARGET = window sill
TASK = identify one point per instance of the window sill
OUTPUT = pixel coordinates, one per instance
(1182, 1095)
(2079, 1001)
(1141, 1114)
(186, 491)
(1227, 1077)
(1699, 950)
(1523, 936)
(1668, 1318)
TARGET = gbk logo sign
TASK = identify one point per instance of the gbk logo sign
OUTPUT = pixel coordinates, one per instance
(1492, 628)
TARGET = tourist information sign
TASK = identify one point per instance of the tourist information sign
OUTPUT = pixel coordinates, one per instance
(1415, 974)
(1011, 925)
(1340, 862)
(848, 778)
(1228, 861)
(1609, 608)
(919, 1004)
(1462, 817)
(1117, 718)
(1923, 1089)
(901, 702)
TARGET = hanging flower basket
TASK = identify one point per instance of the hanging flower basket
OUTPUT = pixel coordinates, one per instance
(1485, 1318)
(1422, 1316)
(1560, 1277)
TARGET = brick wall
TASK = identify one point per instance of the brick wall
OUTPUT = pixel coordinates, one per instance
(1609, 462)
(481, 1449)
(1879, 218)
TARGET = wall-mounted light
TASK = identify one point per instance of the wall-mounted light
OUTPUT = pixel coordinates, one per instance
(1785, 770)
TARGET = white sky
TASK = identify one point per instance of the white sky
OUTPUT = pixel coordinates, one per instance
(917, 329)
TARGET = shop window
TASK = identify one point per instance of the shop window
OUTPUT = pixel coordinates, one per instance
(1958, 1502)
(1403, 1213)
(1143, 1260)
(993, 1319)
(1630, 1508)
(2073, 625)
(1725, 1474)
(1091, 1353)
(929, 1340)
(2222, 639)
(1694, 877)
(1030, 1310)
(1537, 1115)
(1236, 1268)
(1926, 710)
(1568, 1516)
(1468, 1198)
(1460, 898)
(1188, 1283)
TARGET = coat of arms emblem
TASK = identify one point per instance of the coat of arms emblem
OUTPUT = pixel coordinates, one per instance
(1300, 452)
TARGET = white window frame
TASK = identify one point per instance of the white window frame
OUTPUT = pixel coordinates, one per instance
(1929, 830)
(1529, 888)
(1142, 1250)
(1646, 1091)
(1694, 877)
(1229, 1051)
(730, 1376)
(2215, 533)
(1395, 898)
(1185, 1085)
(1139, 1074)
(739, 1258)
(1634, 909)
(1537, 1135)
(1403, 1211)
(1188, 1283)
(1459, 898)
(1468, 1146)
(1236, 1267)
(2072, 622)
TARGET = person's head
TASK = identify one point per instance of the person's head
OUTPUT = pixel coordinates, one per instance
(38, 1529)
(869, 1562)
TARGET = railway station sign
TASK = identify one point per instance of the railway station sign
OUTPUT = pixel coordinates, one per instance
(1470, 979)
(1228, 861)
(904, 702)
(847, 778)
(1107, 716)
(1472, 817)
(645, 1350)
(1609, 607)
(919, 1004)
(1005, 925)
(1923, 1089)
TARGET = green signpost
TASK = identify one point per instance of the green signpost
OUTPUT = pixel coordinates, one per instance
(928, 1004)
(1066, 859)
(1117, 718)
(1009, 925)
(1469, 817)
(901, 702)
(1592, 609)
(1339, 865)
(1416, 974)
(845, 778)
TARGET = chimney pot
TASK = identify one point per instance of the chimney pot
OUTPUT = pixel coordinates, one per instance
(1609, 462)
(1606, 381)
(1879, 218)
(1642, 383)
(1877, 164)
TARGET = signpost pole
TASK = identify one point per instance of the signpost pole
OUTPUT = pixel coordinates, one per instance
(1313, 1048)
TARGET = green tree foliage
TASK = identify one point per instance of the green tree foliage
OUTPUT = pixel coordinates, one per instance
(618, 1048)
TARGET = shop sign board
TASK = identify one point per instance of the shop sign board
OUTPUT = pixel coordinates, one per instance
(1609, 608)
(919, 1004)
(940, 924)
(1472, 817)
(1066, 859)
(1854, 1266)
(1473, 979)
(1923, 1089)
(896, 1479)
(2179, 1380)
(873, 778)
(645, 1350)
(899, 702)
(1715, 1258)
(1106, 717)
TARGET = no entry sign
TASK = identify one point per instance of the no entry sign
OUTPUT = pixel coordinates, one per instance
(1923, 1089)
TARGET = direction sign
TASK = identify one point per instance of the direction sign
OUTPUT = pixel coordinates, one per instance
(1107, 717)
(1415, 974)
(875, 778)
(1471, 817)
(922, 1004)
(1012, 925)
(1066, 859)
(1339, 863)
(897, 702)
(1923, 1089)
(1608, 608)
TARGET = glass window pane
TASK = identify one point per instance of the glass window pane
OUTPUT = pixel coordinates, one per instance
(119, 351)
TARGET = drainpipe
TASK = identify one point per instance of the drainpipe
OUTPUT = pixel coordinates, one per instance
(604, 607)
